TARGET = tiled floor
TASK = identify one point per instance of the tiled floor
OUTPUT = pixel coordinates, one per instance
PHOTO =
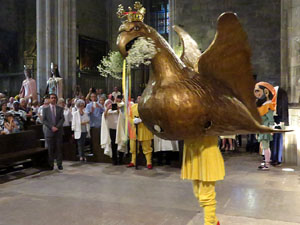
(102, 194)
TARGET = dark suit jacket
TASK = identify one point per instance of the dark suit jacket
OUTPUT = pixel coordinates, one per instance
(48, 123)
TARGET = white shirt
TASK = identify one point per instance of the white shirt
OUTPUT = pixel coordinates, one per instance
(68, 117)
(112, 119)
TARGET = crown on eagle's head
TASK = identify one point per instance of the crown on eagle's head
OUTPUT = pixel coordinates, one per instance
(132, 16)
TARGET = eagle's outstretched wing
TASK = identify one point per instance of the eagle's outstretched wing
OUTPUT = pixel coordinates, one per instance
(228, 59)
(191, 53)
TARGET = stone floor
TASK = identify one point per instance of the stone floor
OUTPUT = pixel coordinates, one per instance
(102, 194)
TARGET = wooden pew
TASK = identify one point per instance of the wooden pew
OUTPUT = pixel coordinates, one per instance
(21, 146)
(38, 128)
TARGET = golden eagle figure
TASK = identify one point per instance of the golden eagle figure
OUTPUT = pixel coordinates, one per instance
(209, 93)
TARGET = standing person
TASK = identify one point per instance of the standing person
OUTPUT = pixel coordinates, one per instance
(266, 104)
(113, 133)
(204, 165)
(95, 111)
(81, 128)
(91, 91)
(116, 92)
(230, 139)
(100, 94)
(144, 136)
(164, 149)
(53, 119)
(67, 112)
(110, 99)
(46, 103)
(281, 118)
(119, 101)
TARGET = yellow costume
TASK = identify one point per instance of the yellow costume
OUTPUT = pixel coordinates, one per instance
(204, 165)
(144, 136)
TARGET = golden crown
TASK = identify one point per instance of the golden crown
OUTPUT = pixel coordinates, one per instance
(132, 16)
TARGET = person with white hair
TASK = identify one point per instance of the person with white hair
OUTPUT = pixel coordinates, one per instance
(46, 103)
(81, 127)
(67, 112)
(10, 103)
(113, 137)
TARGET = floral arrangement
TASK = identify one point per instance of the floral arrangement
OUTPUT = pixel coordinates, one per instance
(142, 51)
(112, 65)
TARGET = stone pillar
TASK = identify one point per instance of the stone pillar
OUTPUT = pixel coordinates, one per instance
(290, 75)
(291, 152)
(56, 42)
(41, 47)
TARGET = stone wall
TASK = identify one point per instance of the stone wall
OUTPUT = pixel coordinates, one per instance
(17, 32)
(260, 19)
(17, 35)
(92, 19)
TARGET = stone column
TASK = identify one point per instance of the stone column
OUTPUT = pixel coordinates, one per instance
(290, 75)
(56, 42)
(67, 37)
(41, 46)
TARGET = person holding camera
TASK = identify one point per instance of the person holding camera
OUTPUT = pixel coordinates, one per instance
(113, 133)
(95, 110)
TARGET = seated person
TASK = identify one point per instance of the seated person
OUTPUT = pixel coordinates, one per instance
(19, 115)
(9, 124)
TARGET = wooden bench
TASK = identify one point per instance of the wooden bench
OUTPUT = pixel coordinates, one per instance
(21, 146)
(38, 128)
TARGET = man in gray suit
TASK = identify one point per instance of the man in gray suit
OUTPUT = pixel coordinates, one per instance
(53, 119)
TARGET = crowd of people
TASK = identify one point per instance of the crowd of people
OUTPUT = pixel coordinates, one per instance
(17, 113)
(96, 114)
(86, 115)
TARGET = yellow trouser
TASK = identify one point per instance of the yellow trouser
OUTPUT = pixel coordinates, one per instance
(147, 150)
(205, 193)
